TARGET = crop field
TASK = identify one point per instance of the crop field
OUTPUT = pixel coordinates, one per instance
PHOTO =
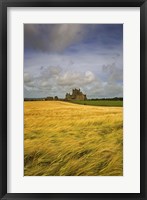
(67, 139)
(112, 103)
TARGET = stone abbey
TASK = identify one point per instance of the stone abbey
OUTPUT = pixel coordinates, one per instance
(76, 95)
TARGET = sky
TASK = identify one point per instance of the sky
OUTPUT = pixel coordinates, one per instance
(61, 57)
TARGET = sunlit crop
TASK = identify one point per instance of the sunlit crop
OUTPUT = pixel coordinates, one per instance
(65, 139)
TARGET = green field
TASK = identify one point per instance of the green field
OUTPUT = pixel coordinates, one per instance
(111, 103)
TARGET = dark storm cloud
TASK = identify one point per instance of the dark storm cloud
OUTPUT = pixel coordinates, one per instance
(52, 37)
(58, 37)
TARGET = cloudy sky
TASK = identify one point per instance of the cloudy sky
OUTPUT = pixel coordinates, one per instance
(61, 57)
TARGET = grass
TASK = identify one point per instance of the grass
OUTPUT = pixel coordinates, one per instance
(64, 139)
(112, 103)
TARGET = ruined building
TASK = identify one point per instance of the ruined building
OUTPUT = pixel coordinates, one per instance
(76, 95)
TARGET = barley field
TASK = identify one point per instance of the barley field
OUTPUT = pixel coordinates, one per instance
(65, 139)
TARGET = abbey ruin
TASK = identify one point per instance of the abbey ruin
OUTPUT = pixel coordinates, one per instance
(76, 95)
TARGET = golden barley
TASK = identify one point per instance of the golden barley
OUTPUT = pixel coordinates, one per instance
(65, 139)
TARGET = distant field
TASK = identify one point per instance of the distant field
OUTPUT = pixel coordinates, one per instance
(66, 139)
(99, 102)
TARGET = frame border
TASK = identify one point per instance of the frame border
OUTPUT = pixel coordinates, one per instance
(3, 97)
